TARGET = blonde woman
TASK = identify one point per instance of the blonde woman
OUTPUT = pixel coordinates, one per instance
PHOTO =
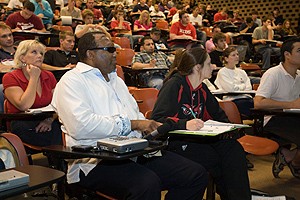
(31, 87)
(143, 23)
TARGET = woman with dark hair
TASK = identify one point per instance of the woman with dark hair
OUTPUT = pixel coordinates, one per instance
(186, 100)
(287, 29)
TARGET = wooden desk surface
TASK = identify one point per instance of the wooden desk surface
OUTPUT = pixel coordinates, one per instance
(39, 177)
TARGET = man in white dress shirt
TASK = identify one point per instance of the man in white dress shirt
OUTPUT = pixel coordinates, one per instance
(93, 103)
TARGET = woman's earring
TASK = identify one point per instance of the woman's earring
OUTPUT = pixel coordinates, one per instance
(24, 64)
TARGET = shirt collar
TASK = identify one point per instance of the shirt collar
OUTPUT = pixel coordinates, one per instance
(84, 68)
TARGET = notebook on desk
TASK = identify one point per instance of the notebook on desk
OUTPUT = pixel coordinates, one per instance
(211, 128)
(12, 179)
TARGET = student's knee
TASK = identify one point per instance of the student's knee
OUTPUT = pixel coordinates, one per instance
(146, 186)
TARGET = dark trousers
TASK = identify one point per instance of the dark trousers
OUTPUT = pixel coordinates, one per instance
(26, 131)
(287, 129)
(244, 105)
(145, 179)
(225, 160)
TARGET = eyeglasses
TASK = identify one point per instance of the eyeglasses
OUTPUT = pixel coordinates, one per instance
(109, 49)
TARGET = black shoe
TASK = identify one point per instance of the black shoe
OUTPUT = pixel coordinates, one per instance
(249, 164)
(278, 164)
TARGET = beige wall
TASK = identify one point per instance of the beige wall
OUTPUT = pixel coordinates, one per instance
(290, 9)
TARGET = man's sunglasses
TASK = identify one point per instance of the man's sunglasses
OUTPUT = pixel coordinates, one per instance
(109, 49)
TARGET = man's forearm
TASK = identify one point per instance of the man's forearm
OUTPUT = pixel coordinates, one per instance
(264, 103)
(138, 65)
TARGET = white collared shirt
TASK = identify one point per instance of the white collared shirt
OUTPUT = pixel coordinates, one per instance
(277, 84)
(90, 108)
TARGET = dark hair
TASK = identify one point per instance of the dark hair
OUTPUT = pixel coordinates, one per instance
(217, 37)
(264, 19)
(117, 12)
(29, 6)
(185, 60)
(181, 13)
(227, 52)
(144, 39)
(254, 12)
(249, 20)
(195, 7)
(288, 46)
(86, 42)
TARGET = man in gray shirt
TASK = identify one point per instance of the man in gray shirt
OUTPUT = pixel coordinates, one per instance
(260, 37)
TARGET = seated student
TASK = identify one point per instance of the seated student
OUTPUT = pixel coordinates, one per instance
(122, 28)
(111, 15)
(156, 14)
(219, 40)
(230, 79)
(30, 87)
(255, 17)
(182, 29)
(209, 44)
(159, 43)
(279, 89)
(149, 58)
(71, 10)
(44, 11)
(25, 20)
(65, 56)
(15, 4)
(247, 27)
(259, 37)
(196, 21)
(186, 100)
(176, 61)
(98, 16)
(143, 23)
(88, 115)
(88, 26)
(7, 52)
(287, 29)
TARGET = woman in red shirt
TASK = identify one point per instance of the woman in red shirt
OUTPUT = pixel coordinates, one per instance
(30, 87)
(143, 23)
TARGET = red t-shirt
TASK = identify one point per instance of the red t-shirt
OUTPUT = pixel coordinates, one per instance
(178, 29)
(115, 23)
(16, 20)
(218, 17)
(17, 78)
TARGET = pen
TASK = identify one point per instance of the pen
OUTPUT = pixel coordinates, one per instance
(193, 113)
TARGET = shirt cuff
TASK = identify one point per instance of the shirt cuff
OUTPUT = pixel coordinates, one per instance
(123, 123)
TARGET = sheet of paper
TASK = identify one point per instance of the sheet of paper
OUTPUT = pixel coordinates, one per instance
(212, 128)
(254, 197)
(292, 110)
(48, 108)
